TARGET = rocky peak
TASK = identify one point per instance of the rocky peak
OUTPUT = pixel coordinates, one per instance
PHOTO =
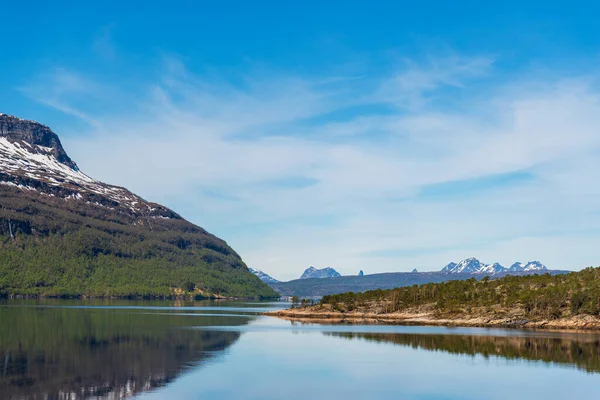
(530, 266)
(313, 272)
(516, 267)
(38, 138)
(449, 267)
(33, 161)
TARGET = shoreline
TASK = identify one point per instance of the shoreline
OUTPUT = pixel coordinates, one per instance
(131, 297)
(585, 323)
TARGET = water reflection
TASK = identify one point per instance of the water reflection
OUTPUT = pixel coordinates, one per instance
(104, 349)
(580, 351)
(65, 353)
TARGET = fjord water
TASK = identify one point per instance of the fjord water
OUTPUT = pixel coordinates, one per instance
(227, 350)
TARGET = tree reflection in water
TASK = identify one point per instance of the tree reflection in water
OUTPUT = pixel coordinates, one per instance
(581, 351)
(61, 353)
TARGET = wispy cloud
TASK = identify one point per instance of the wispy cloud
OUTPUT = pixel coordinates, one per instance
(414, 85)
(67, 91)
(326, 177)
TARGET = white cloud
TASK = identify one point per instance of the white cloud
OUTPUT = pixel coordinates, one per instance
(225, 152)
(415, 84)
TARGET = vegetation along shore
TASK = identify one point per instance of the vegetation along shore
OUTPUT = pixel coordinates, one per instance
(569, 301)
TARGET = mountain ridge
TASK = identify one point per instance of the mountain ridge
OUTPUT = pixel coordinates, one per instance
(473, 266)
(386, 280)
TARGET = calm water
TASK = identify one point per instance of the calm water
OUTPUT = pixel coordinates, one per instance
(226, 350)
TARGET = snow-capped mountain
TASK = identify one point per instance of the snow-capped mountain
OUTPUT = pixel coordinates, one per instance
(104, 233)
(474, 266)
(313, 272)
(262, 276)
(32, 159)
(492, 269)
(530, 266)
(466, 266)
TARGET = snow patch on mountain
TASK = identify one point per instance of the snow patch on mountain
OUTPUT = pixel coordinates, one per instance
(263, 277)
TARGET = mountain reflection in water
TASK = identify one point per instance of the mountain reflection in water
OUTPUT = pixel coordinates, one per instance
(580, 351)
(66, 353)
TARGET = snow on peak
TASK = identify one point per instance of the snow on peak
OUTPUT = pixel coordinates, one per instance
(313, 272)
(474, 266)
(31, 156)
(466, 266)
(18, 157)
(262, 276)
(530, 266)
(492, 268)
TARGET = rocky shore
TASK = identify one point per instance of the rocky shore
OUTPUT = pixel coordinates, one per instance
(324, 315)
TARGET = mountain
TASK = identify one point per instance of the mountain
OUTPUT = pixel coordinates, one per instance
(474, 266)
(531, 266)
(466, 266)
(63, 233)
(263, 277)
(326, 272)
(492, 269)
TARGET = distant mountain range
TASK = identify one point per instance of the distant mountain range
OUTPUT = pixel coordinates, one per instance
(320, 287)
(467, 266)
(313, 272)
(474, 266)
(332, 282)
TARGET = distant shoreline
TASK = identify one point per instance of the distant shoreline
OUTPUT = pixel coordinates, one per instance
(127, 297)
(323, 316)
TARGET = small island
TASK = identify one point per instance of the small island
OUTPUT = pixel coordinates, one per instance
(568, 301)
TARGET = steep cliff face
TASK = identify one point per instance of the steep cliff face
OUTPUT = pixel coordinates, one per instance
(53, 216)
(37, 138)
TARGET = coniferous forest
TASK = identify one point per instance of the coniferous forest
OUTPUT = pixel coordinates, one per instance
(55, 247)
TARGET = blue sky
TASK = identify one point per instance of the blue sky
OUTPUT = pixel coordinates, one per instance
(381, 136)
